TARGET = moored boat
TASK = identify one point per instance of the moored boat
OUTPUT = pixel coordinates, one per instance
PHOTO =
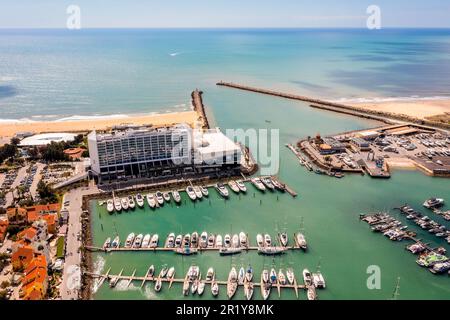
(191, 193)
(235, 241)
(272, 250)
(124, 203)
(281, 277)
(187, 240)
(433, 203)
(107, 243)
(170, 242)
(258, 184)
(222, 190)
(110, 205)
(210, 274)
(249, 273)
(301, 241)
(268, 183)
(146, 241)
(311, 293)
(229, 251)
(211, 241)
(116, 242)
(203, 243)
(166, 196)
(194, 239)
(140, 200)
(318, 280)
(219, 242)
(278, 185)
(129, 240)
(158, 284)
(171, 273)
(283, 239)
(138, 241)
(159, 198)
(117, 205)
(131, 202)
(214, 288)
(241, 186)
(273, 276)
(232, 283)
(176, 196)
(241, 276)
(290, 275)
(260, 240)
(243, 239)
(198, 192)
(248, 290)
(307, 279)
(267, 240)
(227, 241)
(151, 200)
(204, 191)
(154, 241)
(233, 186)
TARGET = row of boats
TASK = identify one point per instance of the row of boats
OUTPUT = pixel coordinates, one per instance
(426, 223)
(390, 227)
(158, 198)
(433, 259)
(190, 243)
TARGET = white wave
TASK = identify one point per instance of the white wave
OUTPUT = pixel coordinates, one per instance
(389, 99)
(93, 117)
(99, 265)
(16, 121)
(174, 54)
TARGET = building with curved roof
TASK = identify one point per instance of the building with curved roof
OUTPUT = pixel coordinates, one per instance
(46, 138)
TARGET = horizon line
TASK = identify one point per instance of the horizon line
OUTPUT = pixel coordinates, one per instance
(216, 28)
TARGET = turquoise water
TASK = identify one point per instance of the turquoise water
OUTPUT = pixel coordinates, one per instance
(50, 74)
(54, 74)
(343, 245)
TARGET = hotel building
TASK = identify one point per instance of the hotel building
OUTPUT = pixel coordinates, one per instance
(133, 153)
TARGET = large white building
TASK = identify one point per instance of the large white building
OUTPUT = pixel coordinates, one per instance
(153, 152)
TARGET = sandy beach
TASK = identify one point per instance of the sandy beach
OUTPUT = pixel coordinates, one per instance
(8, 130)
(415, 108)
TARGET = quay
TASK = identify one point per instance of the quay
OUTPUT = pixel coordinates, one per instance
(199, 107)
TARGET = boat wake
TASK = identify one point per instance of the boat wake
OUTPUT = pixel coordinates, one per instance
(99, 265)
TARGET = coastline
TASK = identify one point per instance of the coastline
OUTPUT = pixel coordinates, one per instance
(8, 130)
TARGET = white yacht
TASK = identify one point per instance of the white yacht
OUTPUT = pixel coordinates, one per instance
(129, 241)
(227, 241)
(124, 203)
(170, 242)
(110, 205)
(159, 198)
(117, 205)
(214, 288)
(194, 239)
(290, 275)
(233, 186)
(146, 241)
(219, 242)
(210, 274)
(138, 241)
(211, 241)
(107, 243)
(260, 240)
(301, 241)
(235, 241)
(232, 283)
(131, 202)
(191, 193)
(154, 241)
(151, 200)
(283, 239)
(267, 240)
(258, 184)
(178, 240)
(281, 277)
(241, 276)
(166, 196)
(203, 240)
(198, 192)
(243, 239)
(116, 242)
(223, 191)
(204, 190)
(241, 186)
(176, 196)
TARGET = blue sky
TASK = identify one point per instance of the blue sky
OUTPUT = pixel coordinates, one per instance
(223, 13)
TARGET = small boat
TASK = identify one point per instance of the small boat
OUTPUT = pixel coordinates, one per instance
(151, 200)
(146, 241)
(265, 285)
(227, 241)
(154, 241)
(163, 272)
(273, 276)
(235, 241)
(233, 186)
(191, 193)
(281, 277)
(267, 240)
(278, 185)
(170, 242)
(222, 190)
(283, 239)
(211, 241)
(260, 240)
(107, 243)
(186, 251)
(166, 196)
(129, 241)
(272, 250)
(249, 274)
(187, 240)
(214, 288)
(116, 242)
(268, 183)
(176, 196)
(241, 186)
(158, 285)
(138, 241)
(224, 251)
(159, 198)
(124, 203)
(210, 274)
(219, 242)
(194, 287)
(186, 286)
(117, 205)
(194, 240)
(140, 200)
(241, 276)
(232, 283)
(311, 293)
(110, 205)
(113, 282)
(201, 287)
(151, 271)
(243, 239)
(198, 192)
(258, 184)
(290, 275)
(248, 290)
(265, 276)
(318, 280)
(301, 241)
(433, 203)
(307, 279)
(203, 243)
(204, 191)
(131, 202)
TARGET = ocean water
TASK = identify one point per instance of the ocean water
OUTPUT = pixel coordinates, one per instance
(59, 74)
(54, 74)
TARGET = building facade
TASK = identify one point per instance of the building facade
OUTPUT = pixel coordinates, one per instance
(154, 152)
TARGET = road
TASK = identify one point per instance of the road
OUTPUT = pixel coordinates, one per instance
(71, 282)
(20, 175)
(37, 178)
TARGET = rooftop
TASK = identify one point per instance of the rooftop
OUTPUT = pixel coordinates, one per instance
(46, 138)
